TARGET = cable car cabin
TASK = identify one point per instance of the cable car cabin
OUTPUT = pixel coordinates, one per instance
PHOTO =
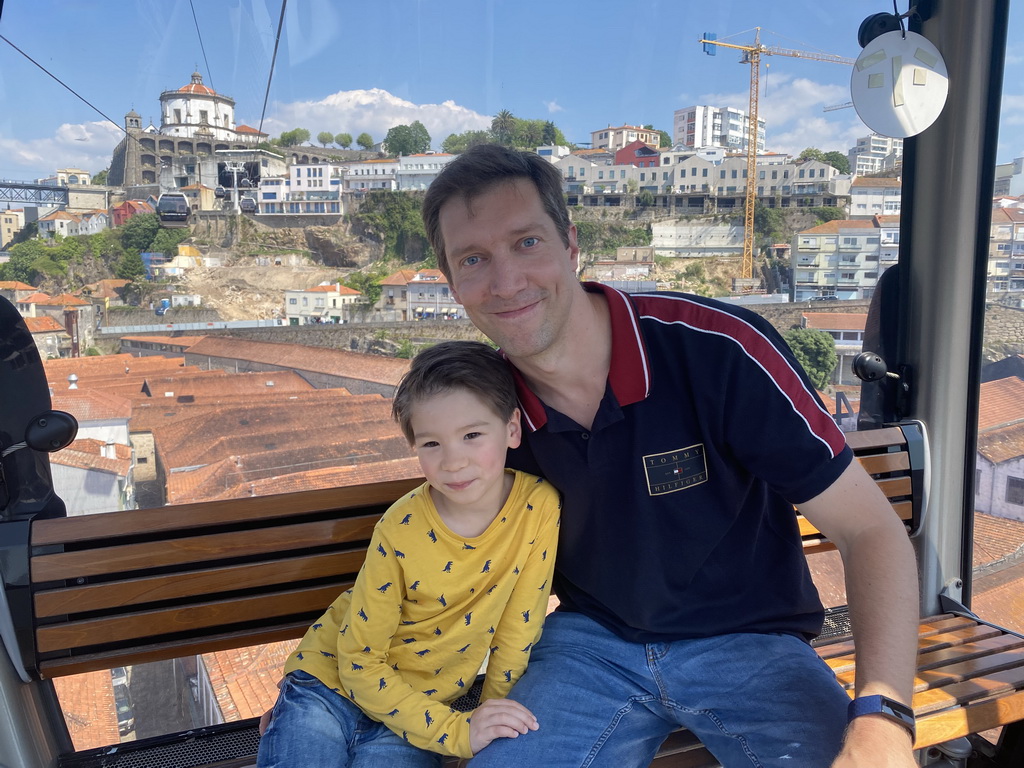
(173, 210)
(148, 628)
(219, 193)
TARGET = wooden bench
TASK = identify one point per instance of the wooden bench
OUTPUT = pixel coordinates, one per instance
(142, 585)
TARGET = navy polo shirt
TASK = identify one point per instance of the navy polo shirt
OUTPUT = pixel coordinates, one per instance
(678, 518)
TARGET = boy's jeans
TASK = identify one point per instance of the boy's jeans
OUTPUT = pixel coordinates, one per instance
(752, 699)
(314, 726)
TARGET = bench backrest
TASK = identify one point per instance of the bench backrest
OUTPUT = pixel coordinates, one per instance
(142, 585)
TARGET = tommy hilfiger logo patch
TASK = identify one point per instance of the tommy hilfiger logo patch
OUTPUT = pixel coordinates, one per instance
(675, 470)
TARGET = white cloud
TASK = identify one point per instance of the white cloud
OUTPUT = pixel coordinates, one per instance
(792, 109)
(373, 111)
(73, 145)
(553, 106)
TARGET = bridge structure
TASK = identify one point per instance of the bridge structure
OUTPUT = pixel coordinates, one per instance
(33, 194)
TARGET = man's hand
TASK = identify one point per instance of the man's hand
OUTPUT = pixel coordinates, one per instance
(499, 719)
(873, 742)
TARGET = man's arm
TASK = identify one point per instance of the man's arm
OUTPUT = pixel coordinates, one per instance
(881, 585)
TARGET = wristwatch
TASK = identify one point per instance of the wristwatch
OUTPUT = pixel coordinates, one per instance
(887, 708)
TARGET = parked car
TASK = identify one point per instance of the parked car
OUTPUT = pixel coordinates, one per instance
(125, 709)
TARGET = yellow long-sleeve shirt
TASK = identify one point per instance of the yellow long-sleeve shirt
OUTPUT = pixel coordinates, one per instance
(429, 606)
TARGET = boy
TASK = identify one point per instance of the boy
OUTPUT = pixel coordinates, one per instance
(457, 573)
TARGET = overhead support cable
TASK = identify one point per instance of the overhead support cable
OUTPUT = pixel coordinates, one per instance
(273, 61)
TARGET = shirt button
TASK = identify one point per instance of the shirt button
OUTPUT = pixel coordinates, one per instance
(585, 435)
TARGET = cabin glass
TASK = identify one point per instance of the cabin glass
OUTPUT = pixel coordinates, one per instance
(243, 338)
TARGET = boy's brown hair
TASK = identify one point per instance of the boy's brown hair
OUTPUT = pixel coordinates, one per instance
(467, 365)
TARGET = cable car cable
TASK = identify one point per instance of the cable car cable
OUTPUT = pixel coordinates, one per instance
(273, 61)
(209, 72)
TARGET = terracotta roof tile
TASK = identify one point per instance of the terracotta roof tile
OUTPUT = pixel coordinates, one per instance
(996, 538)
(87, 701)
(245, 680)
(86, 453)
(1001, 403)
(92, 405)
(175, 341)
(15, 285)
(336, 362)
(44, 324)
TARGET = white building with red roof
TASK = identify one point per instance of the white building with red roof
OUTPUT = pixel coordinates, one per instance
(197, 108)
(999, 487)
(409, 294)
(320, 304)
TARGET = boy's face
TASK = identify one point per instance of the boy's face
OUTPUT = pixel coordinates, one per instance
(461, 444)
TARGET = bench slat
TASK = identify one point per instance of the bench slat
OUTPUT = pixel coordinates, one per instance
(140, 654)
(187, 517)
(146, 624)
(974, 718)
(125, 592)
(199, 549)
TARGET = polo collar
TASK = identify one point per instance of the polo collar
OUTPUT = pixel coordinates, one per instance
(630, 374)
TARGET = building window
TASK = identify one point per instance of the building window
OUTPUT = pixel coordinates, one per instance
(293, 301)
(1015, 490)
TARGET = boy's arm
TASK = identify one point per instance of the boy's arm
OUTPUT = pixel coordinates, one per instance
(523, 618)
(367, 676)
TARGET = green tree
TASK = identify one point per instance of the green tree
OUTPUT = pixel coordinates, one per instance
(829, 213)
(665, 139)
(138, 233)
(837, 160)
(457, 143)
(503, 127)
(166, 240)
(130, 267)
(23, 257)
(343, 140)
(407, 139)
(769, 224)
(550, 133)
(815, 351)
(394, 219)
(368, 284)
(812, 153)
(365, 141)
(294, 138)
(325, 137)
(100, 177)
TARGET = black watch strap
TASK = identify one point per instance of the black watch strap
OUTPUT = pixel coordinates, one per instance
(887, 708)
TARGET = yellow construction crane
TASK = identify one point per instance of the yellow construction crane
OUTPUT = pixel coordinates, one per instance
(752, 55)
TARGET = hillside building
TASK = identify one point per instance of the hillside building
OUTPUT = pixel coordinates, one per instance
(706, 126)
(614, 139)
(874, 154)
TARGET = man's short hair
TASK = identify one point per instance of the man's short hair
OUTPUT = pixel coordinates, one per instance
(452, 365)
(476, 171)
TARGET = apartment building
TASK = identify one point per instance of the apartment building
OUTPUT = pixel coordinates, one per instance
(372, 174)
(320, 304)
(417, 172)
(616, 138)
(875, 197)
(1006, 252)
(12, 221)
(841, 258)
(702, 125)
(874, 153)
(422, 295)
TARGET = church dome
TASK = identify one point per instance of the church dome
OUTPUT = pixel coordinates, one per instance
(196, 86)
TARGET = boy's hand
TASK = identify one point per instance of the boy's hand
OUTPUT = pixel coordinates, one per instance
(499, 719)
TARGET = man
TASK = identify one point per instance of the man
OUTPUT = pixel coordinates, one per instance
(681, 431)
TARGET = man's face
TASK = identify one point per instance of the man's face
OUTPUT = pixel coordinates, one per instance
(509, 267)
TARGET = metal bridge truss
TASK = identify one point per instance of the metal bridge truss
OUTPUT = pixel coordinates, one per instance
(33, 194)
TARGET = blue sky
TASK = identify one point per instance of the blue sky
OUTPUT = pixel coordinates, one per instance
(346, 66)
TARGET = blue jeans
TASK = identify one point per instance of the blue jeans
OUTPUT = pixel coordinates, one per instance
(313, 726)
(753, 700)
